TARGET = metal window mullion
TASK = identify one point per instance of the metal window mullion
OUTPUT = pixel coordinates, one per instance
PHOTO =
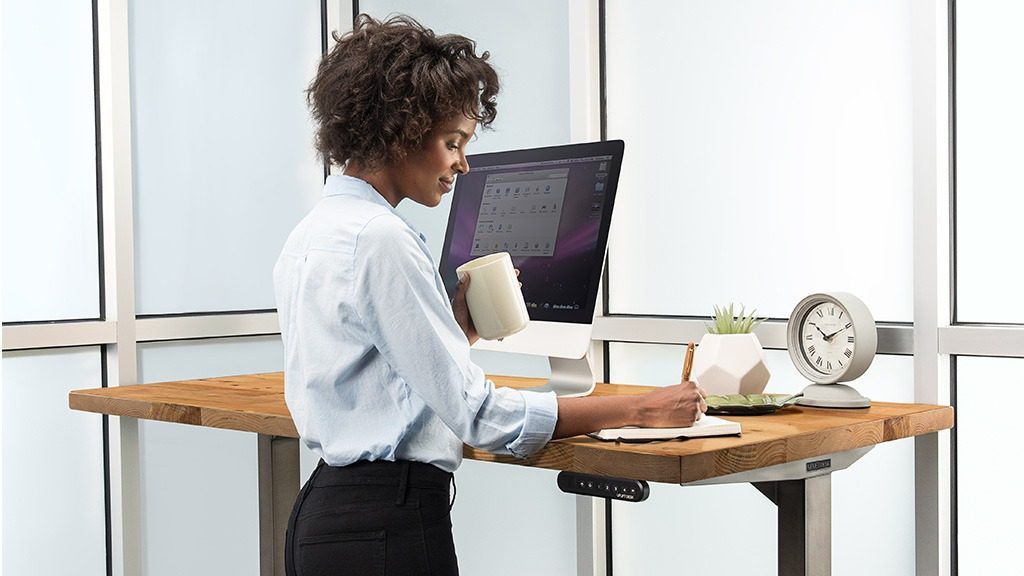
(119, 278)
(584, 72)
(584, 126)
(892, 338)
(931, 278)
(1002, 341)
(340, 16)
(59, 335)
(156, 329)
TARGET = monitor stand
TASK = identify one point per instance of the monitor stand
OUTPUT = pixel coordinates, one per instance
(570, 377)
(565, 345)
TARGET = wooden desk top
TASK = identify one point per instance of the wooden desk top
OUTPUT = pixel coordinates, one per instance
(255, 403)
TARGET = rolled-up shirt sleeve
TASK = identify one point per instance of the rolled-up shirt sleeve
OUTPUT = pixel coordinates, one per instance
(403, 304)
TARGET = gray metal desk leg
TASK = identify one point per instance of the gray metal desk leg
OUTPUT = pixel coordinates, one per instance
(805, 524)
(278, 487)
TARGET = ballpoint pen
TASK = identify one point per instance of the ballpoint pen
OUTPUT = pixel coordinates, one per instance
(688, 367)
(688, 361)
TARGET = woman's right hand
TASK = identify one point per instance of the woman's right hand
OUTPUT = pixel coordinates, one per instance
(676, 406)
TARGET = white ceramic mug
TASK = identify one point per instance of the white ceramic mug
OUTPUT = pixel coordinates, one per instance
(495, 298)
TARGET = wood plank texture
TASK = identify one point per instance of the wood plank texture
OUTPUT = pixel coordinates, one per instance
(255, 403)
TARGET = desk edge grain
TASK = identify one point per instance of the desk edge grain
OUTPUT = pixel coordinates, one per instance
(579, 454)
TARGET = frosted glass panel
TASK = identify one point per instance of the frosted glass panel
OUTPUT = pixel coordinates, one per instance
(768, 154)
(872, 501)
(222, 142)
(50, 230)
(691, 530)
(191, 473)
(510, 521)
(529, 48)
(990, 185)
(54, 520)
(989, 506)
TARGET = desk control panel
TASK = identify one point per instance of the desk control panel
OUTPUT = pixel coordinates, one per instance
(604, 487)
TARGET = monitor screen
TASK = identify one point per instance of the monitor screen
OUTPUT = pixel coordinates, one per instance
(550, 209)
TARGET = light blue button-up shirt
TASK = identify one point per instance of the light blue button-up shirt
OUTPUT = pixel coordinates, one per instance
(376, 368)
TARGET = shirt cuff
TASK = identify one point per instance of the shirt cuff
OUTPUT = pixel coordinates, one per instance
(538, 425)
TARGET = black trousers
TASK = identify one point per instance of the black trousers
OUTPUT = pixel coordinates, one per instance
(372, 519)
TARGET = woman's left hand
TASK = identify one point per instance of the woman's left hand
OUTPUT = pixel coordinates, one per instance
(461, 310)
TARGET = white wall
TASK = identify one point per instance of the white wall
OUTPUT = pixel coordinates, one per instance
(53, 485)
(989, 278)
(763, 141)
(990, 184)
(49, 163)
(221, 140)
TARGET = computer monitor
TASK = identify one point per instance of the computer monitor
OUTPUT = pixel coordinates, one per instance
(551, 209)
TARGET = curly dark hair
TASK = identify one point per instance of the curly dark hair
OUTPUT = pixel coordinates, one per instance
(385, 85)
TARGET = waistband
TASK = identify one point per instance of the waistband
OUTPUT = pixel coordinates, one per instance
(382, 473)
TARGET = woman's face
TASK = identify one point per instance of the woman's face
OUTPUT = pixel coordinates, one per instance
(428, 174)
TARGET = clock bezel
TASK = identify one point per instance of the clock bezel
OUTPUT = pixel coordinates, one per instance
(863, 328)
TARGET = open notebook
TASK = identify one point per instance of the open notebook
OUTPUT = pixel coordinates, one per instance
(706, 426)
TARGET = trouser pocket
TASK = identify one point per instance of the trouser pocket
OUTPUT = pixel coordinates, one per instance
(341, 554)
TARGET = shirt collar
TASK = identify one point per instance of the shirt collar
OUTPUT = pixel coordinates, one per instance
(342, 185)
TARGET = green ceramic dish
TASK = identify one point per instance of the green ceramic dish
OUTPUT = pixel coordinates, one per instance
(748, 404)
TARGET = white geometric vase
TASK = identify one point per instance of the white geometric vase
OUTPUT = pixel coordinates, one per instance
(730, 364)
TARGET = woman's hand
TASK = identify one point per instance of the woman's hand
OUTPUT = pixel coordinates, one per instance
(676, 406)
(461, 311)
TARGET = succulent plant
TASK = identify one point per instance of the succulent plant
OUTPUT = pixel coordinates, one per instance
(726, 321)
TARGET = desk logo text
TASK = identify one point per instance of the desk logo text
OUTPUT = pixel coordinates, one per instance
(819, 464)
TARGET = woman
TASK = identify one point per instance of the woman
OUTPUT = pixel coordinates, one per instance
(378, 375)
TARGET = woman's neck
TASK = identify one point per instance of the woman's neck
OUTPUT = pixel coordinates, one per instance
(379, 179)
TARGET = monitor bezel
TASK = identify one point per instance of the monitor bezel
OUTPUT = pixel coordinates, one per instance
(612, 148)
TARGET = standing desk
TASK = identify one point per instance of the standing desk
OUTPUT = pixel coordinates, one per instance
(788, 456)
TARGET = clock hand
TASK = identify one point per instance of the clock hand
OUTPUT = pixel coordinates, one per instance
(823, 335)
(833, 335)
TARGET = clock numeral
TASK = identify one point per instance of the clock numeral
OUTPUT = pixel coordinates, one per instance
(829, 365)
(849, 339)
(848, 324)
(840, 363)
(818, 361)
(832, 311)
(810, 350)
(820, 315)
(840, 314)
(809, 337)
(848, 353)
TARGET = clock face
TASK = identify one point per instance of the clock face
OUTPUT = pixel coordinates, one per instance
(831, 337)
(827, 339)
